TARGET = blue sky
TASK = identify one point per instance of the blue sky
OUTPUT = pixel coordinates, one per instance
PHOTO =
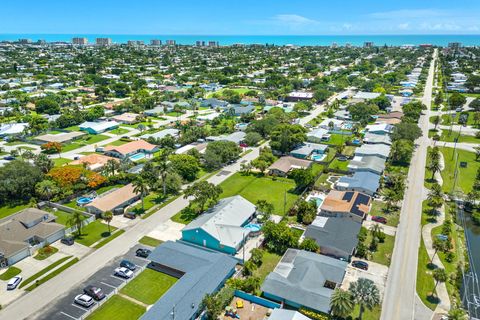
(241, 17)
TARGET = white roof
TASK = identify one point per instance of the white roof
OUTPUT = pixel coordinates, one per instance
(284, 314)
(161, 134)
(12, 128)
(98, 126)
(366, 95)
(380, 126)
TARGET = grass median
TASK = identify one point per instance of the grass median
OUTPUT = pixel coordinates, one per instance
(43, 271)
(52, 274)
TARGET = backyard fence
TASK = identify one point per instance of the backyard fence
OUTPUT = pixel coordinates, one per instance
(257, 300)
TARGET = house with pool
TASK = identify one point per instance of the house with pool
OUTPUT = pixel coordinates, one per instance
(135, 150)
(98, 126)
(225, 227)
(311, 151)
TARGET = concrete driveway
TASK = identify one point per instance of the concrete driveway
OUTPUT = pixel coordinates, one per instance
(376, 272)
(169, 230)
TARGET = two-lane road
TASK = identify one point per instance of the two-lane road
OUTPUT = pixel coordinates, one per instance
(399, 301)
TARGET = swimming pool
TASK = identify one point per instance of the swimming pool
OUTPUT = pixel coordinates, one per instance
(137, 156)
(83, 201)
(318, 157)
(318, 198)
(254, 228)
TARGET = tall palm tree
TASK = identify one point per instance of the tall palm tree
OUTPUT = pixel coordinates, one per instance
(457, 314)
(140, 186)
(111, 166)
(341, 303)
(107, 216)
(164, 168)
(76, 219)
(365, 293)
(440, 275)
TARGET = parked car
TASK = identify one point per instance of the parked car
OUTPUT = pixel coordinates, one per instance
(84, 300)
(14, 282)
(9, 158)
(94, 292)
(143, 253)
(69, 241)
(127, 264)
(379, 219)
(123, 272)
(360, 264)
(130, 215)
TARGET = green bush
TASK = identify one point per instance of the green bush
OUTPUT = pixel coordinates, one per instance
(314, 315)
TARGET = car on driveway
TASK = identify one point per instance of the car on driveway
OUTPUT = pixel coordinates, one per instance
(360, 264)
(69, 241)
(123, 272)
(84, 300)
(94, 292)
(14, 282)
(127, 264)
(143, 253)
(379, 219)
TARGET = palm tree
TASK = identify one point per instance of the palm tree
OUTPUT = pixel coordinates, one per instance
(437, 244)
(140, 186)
(111, 166)
(440, 275)
(435, 197)
(341, 303)
(76, 220)
(164, 168)
(436, 121)
(365, 293)
(434, 166)
(457, 314)
(107, 216)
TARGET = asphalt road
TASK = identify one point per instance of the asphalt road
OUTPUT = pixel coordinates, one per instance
(400, 293)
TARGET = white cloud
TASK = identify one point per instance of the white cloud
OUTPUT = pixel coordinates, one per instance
(404, 26)
(408, 14)
(293, 20)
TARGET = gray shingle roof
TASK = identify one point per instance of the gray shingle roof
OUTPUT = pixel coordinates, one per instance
(300, 277)
(373, 163)
(204, 272)
(334, 232)
(361, 180)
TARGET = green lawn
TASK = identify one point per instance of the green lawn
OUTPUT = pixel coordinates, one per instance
(447, 119)
(72, 128)
(118, 142)
(149, 241)
(254, 188)
(149, 286)
(62, 217)
(118, 308)
(425, 281)
(60, 161)
(148, 202)
(52, 274)
(10, 273)
(338, 139)
(7, 210)
(238, 90)
(43, 271)
(451, 136)
(111, 238)
(94, 232)
(339, 165)
(384, 250)
(84, 141)
(378, 209)
(119, 131)
(465, 179)
(270, 261)
(374, 314)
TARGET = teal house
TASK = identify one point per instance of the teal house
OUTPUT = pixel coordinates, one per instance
(222, 227)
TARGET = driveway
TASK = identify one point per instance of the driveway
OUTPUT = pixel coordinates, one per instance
(169, 230)
(376, 272)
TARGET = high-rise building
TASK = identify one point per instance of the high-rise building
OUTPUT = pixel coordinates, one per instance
(80, 41)
(171, 42)
(454, 45)
(24, 41)
(200, 43)
(213, 43)
(103, 41)
(334, 45)
(135, 43)
(368, 44)
(155, 42)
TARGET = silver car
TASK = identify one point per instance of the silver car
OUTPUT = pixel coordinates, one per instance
(84, 300)
(14, 282)
(123, 272)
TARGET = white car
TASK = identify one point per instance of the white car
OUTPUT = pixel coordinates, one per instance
(84, 300)
(123, 272)
(13, 283)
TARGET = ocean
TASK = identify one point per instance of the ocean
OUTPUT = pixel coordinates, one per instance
(321, 40)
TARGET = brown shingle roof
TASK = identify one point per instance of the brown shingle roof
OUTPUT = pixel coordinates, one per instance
(114, 199)
(285, 164)
(131, 147)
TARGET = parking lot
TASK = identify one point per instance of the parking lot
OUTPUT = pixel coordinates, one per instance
(66, 309)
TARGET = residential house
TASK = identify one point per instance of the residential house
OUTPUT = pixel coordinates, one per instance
(346, 204)
(94, 162)
(373, 138)
(199, 272)
(237, 137)
(221, 228)
(98, 127)
(10, 129)
(214, 103)
(131, 149)
(365, 182)
(304, 279)
(63, 137)
(367, 164)
(158, 110)
(295, 96)
(282, 166)
(379, 128)
(238, 109)
(162, 134)
(308, 149)
(377, 150)
(362, 96)
(336, 236)
(318, 135)
(24, 232)
(284, 314)
(126, 118)
(332, 124)
(114, 201)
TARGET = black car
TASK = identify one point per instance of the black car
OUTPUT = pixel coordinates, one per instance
(143, 253)
(68, 241)
(360, 265)
(95, 292)
(127, 264)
